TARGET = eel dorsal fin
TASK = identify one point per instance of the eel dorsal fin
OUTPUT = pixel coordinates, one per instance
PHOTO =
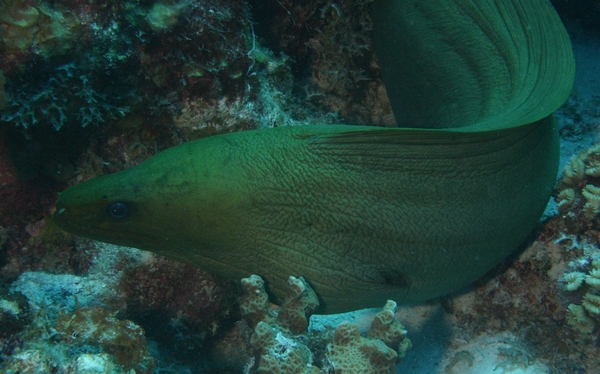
(474, 65)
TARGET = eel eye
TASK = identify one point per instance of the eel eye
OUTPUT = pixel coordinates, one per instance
(118, 210)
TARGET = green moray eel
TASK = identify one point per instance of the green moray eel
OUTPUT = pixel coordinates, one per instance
(367, 214)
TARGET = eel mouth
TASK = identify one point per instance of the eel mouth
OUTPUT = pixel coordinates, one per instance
(112, 234)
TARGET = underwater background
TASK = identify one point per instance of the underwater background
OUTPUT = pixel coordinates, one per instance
(91, 88)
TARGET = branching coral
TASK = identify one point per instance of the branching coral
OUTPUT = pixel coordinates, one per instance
(65, 63)
(63, 96)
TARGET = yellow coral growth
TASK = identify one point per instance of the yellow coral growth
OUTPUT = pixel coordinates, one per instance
(577, 318)
(585, 163)
(593, 278)
(592, 161)
(565, 199)
(590, 210)
(592, 194)
(591, 303)
(574, 171)
(574, 280)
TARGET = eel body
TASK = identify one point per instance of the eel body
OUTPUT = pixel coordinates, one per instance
(367, 214)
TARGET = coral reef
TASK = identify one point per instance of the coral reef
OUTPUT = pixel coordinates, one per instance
(29, 361)
(179, 306)
(21, 24)
(51, 79)
(334, 62)
(535, 316)
(578, 200)
(278, 353)
(553, 317)
(44, 28)
(386, 328)
(77, 342)
(254, 304)
(281, 345)
(591, 303)
(94, 363)
(178, 69)
(14, 317)
(158, 73)
(165, 286)
(577, 317)
(273, 343)
(61, 326)
(350, 353)
(64, 95)
(110, 63)
(97, 327)
(573, 280)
